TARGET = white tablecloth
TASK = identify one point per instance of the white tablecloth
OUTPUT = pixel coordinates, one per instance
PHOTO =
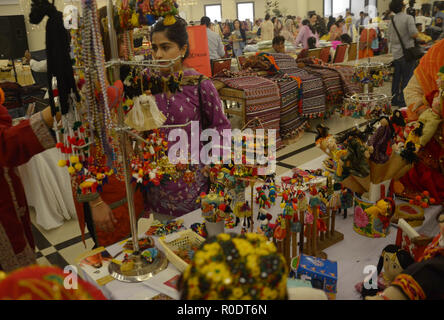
(48, 189)
(352, 254)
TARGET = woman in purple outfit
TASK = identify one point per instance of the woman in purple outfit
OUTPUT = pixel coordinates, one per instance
(177, 198)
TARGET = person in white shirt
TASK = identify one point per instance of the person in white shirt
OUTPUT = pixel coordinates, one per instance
(267, 29)
(215, 45)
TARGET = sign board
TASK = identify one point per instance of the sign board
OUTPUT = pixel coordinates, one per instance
(199, 58)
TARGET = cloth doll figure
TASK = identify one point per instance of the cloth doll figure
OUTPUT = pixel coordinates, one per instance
(423, 280)
(415, 135)
(398, 123)
(346, 200)
(391, 263)
(335, 199)
(355, 160)
(381, 141)
(322, 137)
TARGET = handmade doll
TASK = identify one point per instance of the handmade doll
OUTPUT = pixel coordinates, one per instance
(315, 199)
(398, 123)
(335, 199)
(380, 141)
(322, 136)
(264, 227)
(423, 279)
(355, 161)
(243, 210)
(346, 200)
(392, 261)
(382, 211)
(415, 135)
(272, 193)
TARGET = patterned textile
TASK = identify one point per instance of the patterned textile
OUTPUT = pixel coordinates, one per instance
(292, 122)
(346, 73)
(409, 287)
(332, 83)
(313, 104)
(262, 101)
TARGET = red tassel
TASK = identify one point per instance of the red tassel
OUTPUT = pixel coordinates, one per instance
(59, 145)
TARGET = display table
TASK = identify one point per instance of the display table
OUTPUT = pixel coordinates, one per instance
(384, 58)
(48, 189)
(352, 254)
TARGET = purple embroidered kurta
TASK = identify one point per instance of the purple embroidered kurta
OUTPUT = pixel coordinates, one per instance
(179, 198)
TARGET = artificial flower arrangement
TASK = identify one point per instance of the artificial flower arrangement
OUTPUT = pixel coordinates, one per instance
(236, 267)
(376, 75)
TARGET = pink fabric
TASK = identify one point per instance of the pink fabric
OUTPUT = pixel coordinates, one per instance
(335, 44)
(303, 35)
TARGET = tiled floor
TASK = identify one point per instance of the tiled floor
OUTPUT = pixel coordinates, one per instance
(63, 245)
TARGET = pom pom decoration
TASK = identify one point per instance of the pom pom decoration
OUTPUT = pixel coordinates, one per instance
(62, 163)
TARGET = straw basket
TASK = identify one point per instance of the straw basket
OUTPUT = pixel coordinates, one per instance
(186, 239)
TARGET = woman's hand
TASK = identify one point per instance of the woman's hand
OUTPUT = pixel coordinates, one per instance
(102, 215)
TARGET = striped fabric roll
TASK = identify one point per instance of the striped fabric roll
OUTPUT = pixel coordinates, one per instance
(332, 83)
(292, 121)
(262, 101)
(313, 104)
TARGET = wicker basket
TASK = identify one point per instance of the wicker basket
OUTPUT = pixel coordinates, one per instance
(186, 239)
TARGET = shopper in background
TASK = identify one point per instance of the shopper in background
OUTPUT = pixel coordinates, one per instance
(289, 31)
(215, 45)
(319, 25)
(307, 31)
(239, 38)
(278, 45)
(361, 20)
(403, 68)
(278, 27)
(331, 22)
(267, 29)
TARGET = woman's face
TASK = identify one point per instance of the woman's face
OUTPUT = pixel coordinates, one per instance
(313, 19)
(236, 25)
(165, 49)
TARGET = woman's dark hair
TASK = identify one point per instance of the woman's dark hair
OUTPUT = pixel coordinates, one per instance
(267, 16)
(331, 21)
(205, 21)
(241, 29)
(305, 22)
(176, 33)
(345, 38)
(312, 14)
(311, 42)
(273, 19)
(396, 6)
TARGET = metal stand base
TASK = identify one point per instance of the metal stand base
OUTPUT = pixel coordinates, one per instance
(142, 270)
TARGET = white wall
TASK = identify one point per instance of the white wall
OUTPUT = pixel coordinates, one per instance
(290, 7)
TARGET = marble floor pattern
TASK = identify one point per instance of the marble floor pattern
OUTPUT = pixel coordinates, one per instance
(61, 246)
